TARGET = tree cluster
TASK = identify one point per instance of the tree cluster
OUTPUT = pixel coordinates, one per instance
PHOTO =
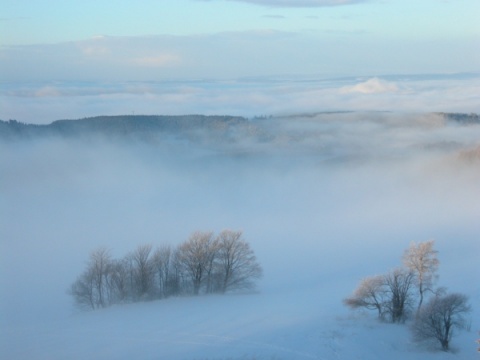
(402, 292)
(202, 264)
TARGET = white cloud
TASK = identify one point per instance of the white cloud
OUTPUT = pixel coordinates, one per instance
(371, 86)
(44, 102)
(235, 54)
(47, 91)
(95, 50)
(97, 46)
(157, 60)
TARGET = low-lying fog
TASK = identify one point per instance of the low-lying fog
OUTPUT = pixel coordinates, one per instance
(43, 101)
(327, 200)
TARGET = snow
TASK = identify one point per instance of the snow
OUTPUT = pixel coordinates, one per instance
(256, 326)
(317, 228)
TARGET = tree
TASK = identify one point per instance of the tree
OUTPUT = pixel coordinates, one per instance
(398, 283)
(388, 294)
(143, 270)
(422, 260)
(161, 261)
(237, 264)
(90, 289)
(99, 264)
(202, 264)
(118, 284)
(195, 255)
(439, 317)
(176, 278)
(82, 291)
(211, 262)
(370, 294)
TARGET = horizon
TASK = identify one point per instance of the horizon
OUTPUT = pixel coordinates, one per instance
(242, 57)
(40, 102)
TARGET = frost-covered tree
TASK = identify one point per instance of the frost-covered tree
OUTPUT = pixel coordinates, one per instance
(370, 294)
(236, 262)
(422, 260)
(438, 319)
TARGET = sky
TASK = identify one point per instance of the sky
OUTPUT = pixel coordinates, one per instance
(69, 59)
(226, 39)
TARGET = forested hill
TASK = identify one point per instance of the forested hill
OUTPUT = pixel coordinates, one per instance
(461, 118)
(126, 125)
(200, 128)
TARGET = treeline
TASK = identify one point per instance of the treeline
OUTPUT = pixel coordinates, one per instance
(128, 125)
(203, 264)
(462, 118)
(409, 292)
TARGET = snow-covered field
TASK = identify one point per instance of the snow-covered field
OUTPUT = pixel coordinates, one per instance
(320, 213)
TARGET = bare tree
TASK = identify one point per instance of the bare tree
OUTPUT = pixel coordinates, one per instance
(398, 283)
(176, 280)
(195, 255)
(370, 294)
(237, 264)
(118, 285)
(422, 260)
(211, 276)
(143, 270)
(161, 261)
(99, 263)
(200, 264)
(90, 289)
(82, 291)
(439, 317)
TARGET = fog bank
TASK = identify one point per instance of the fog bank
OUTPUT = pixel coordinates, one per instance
(324, 201)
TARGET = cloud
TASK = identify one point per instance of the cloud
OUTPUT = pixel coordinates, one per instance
(157, 61)
(43, 102)
(227, 55)
(95, 50)
(300, 3)
(47, 91)
(372, 86)
(274, 16)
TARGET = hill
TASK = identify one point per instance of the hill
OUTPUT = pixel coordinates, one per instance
(124, 126)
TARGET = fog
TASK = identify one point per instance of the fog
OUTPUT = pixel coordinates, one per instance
(324, 201)
(44, 101)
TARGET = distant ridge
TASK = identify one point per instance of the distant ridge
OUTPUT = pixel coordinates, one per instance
(124, 125)
(461, 118)
(222, 127)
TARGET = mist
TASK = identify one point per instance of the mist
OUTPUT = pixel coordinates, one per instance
(40, 102)
(324, 200)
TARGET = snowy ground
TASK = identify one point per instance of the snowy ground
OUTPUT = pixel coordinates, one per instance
(292, 326)
(317, 228)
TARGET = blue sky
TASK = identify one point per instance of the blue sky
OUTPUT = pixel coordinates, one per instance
(52, 21)
(123, 39)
